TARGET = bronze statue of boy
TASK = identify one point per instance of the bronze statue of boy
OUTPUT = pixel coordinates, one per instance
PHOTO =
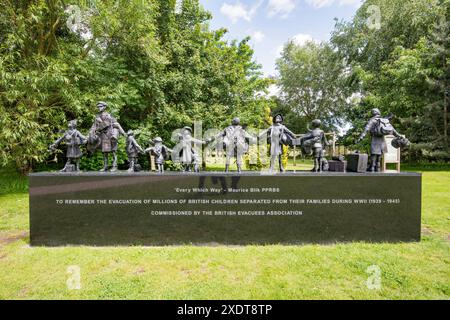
(73, 140)
(133, 150)
(378, 128)
(234, 139)
(104, 135)
(314, 141)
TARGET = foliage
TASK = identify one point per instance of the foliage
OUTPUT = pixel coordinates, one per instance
(313, 81)
(157, 69)
(11, 182)
(256, 159)
(401, 68)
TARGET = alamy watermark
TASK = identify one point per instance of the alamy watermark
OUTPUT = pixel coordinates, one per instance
(373, 282)
(373, 22)
(74, 280)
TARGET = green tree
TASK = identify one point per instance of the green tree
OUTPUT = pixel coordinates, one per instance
(400, 68)
(313, 84)
(159, 70)
(439, 76)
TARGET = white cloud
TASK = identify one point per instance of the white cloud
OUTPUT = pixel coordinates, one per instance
(235, 12)
(317, 4)
(258, 36)
(274, 90)
(281, 7)
(349, 2)
(279, 51)
(238, 11)
(301, 39)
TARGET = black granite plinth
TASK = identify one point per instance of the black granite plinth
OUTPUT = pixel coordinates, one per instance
(112, 209)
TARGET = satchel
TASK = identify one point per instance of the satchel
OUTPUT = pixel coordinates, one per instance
(400, 143)
(382, 128)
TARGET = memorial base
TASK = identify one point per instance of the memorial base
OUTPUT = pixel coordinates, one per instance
(110, 209)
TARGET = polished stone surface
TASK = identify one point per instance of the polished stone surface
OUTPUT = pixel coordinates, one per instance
(109, 209)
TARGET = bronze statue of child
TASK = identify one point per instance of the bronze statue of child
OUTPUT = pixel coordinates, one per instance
(378, 127)
(189, 158)
(161, 153)
(104, 135)
(133, 150)
(314, 141)
(278, 135)
(235, 143)
(73, 140)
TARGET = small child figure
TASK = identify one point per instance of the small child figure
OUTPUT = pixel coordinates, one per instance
(133, 150)
(313, 140)
(161, 153)
(278, 135)
(190, 159)
(73, 140)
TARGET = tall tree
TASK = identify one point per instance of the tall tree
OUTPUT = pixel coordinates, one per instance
(313, 81)
(401, 67)
(159, 69)
(440, 56)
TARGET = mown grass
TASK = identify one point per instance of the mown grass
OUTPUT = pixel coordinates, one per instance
(408, 271)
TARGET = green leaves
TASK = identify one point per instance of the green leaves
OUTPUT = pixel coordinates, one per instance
(157, 70)
(402, 69)
(313, 80)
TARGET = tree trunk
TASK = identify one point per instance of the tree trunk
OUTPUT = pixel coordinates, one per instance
(24, 169)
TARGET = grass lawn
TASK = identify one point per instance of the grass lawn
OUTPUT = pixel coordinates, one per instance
(408, 271)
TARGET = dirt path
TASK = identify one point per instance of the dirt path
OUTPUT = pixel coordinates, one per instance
(10, 237)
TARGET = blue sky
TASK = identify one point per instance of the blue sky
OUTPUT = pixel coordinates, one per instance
(271, 23)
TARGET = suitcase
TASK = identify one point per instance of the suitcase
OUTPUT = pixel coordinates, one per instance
(357, 162)
(337, 166)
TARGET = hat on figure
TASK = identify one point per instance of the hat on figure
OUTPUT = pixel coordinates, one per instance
(316, 123)
(376, 112)
(102, 105)
(188, 129)
(278, 118)
(72, 123)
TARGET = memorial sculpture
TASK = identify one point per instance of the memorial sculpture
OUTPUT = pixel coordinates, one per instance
(314, 142)
(105, 132)
(235, 143)
(104, 135)
(73, 139)
(379, 127)
(228, 209)
(160, 152)
(188, 156)
(278, 135)
(133, 150)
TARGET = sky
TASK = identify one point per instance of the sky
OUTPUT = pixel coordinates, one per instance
(271, 23)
